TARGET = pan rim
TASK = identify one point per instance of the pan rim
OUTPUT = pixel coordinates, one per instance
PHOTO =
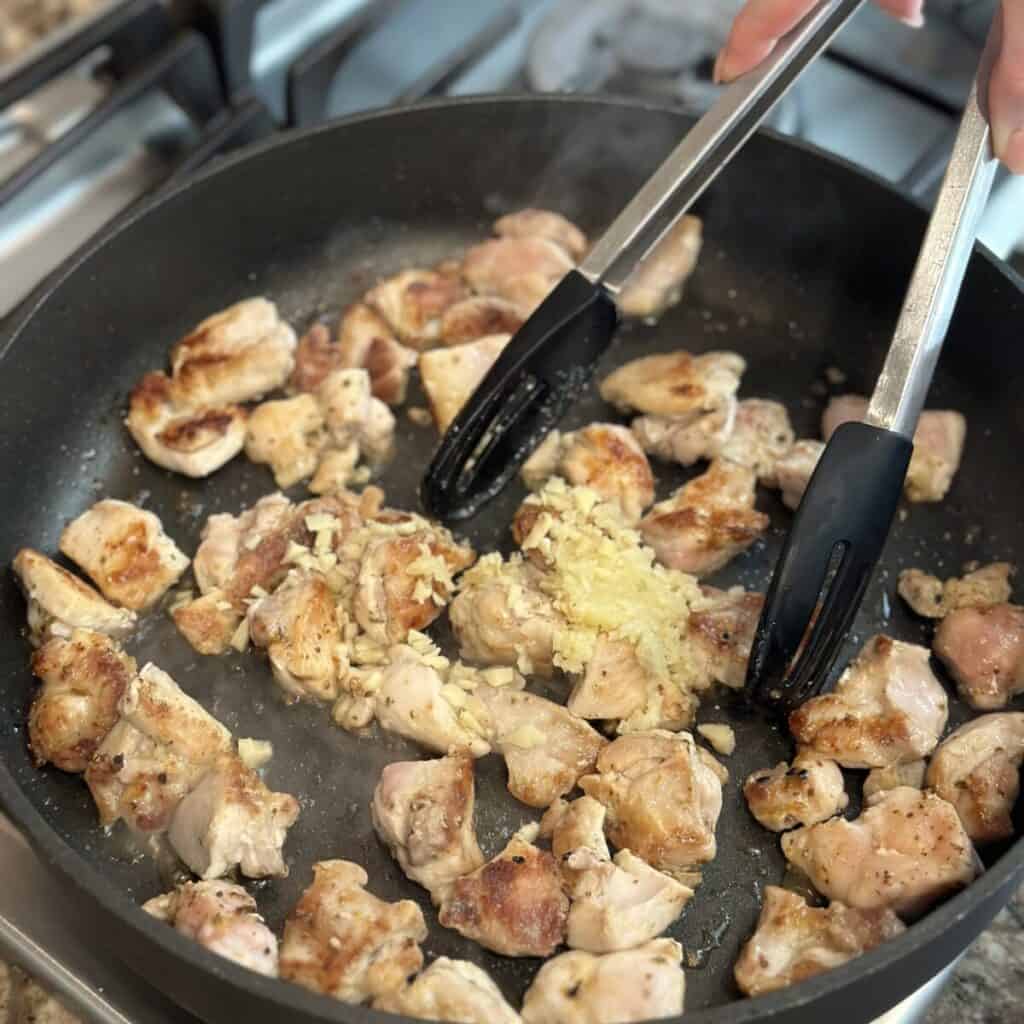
(74, 869)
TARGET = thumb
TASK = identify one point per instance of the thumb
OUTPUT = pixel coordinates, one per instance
(1006, 88)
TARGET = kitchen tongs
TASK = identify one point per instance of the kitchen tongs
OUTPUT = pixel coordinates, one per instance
(846, 512)
(551, 359)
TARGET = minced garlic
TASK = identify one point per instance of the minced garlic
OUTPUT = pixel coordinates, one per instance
(255, 754)
(721, 737)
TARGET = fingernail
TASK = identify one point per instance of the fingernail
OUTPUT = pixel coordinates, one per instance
(1009, 147)
(915, 20)
(717, 75)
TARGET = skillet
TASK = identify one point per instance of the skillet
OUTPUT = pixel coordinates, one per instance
(803, 270)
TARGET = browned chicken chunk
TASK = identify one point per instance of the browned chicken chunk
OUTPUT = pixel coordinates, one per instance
(365, 342)
(344, 942)
(689, 438)
(810, 791)
(794, 941)
(794, 468)
(480, 316)
(723, 631)
(521, 270)
(451, 375)
(352, 414)
(658, 282)
(761, 435)
(413, 302)
(905, 852)
(316, 355)
(933, 599)
(615, 683)
(887, 708)
(534, 223)
(983, 650)
(288, 435)
(977, 769)
(512, 905)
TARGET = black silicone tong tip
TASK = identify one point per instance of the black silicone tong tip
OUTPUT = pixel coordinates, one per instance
(539, 374)
(826, 563)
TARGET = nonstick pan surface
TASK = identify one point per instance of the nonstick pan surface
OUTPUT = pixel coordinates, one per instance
(803, 268)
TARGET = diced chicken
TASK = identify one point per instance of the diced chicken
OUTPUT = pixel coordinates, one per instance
(663, 796)
(34, 1004)
(887, 708)
(762, 434)
(209, 623)
(546, 747)
(617, 988)
(59, 602)
(794, 941)
(933, 599)
(222, 917)
(451, 990)
(615, 683)
(289, 436)
(658, 282)
(522, 270)
(983, 650)
(336, 469)
(577, 829)
(163, 745)
(125, 551)
(501, 616)
(604, 457)
(365, 342)
(236, 355)
(316, 355)
(353, 414)
(413, 701)
(478, 317)
(794, 468)
(177, 436)
(513, 904)
(231, 819)
(535, 223)
(938, 445)
(423, 812)
(723, 632)
(707, 522)
(344, 942)
(675, 384)
(451, 375)
(905, 852)
(413, 302)
(977, 769)
(298, 626)
(880, 780)
(84, 678)
(688, 438)
(810, 791)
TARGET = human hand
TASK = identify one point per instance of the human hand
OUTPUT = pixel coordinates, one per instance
(760, 23)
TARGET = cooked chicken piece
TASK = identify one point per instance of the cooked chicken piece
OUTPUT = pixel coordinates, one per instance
(887, 708)
(686, 439)
(977, 769)
(794, 468)
(298, 626)
(365, 342)
(933, 599)
(163, 745)
(658, 282)
(577, 830)
(222, 917)
(880, 780)
(414, 701)
(336, 470)
(500, 616)
(353, 414)
(236, 355)
(405, 581)
(450, 990)
(675, 384)
(231, 819)
(620, 904)
(521, 270)
(125, 551)
(479, 317)
(534, 223)
(762, 434)
(209, 623)
(794, 941)
(423, 812)
(663, 795)
(723, 631)
(59, 602)
(35, 1005)
(413, 302)
(617, 988)
(194, 441)
(83, 679)
(513, 904)
(316, 355)
(905, 852)
(983, 650)
(451, 375)
(809, 792)
(289, 436)
(344, 942)
(707, 522)
(615, 683)
(546, 747)
(604, 457)
(938, 445)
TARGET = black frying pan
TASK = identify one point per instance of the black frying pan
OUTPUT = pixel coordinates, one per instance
(803, 269)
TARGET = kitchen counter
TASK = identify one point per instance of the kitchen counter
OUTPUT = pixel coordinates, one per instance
(988, 984)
